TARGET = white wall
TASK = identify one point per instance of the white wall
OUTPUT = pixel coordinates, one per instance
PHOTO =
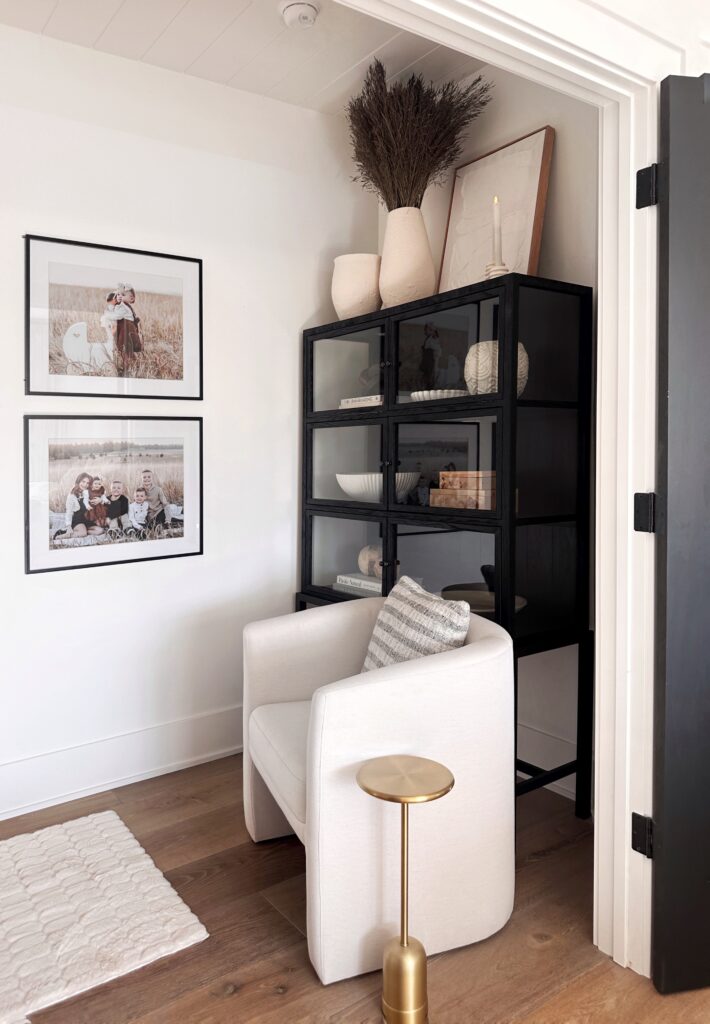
(110, 673)
(547, 709)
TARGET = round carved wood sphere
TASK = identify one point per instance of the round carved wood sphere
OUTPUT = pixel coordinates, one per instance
(369, 559)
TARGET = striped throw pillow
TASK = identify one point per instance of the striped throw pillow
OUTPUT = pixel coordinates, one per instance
(412, 623)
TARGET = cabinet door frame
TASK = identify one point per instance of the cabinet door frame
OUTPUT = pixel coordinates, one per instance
(331, 512)
(310, 430)
(311, 337)
(446, 303)
(454, 524)
(419, 415)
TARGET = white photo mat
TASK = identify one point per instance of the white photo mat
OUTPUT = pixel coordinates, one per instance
(105, 263)
(518, 174)
(41, 430)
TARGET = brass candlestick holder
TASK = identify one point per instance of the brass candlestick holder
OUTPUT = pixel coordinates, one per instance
(405, 780)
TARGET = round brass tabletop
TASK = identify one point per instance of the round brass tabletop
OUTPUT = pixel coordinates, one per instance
(404, 779)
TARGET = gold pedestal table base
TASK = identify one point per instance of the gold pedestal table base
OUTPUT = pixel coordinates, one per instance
(403, 779)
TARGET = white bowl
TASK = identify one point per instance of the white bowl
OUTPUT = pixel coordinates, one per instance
(368, 486)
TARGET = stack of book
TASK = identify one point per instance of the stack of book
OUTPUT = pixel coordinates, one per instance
(363, 586)
(475, 489)
(362, 402)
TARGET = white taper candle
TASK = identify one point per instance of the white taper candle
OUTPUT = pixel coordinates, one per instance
(497, 239)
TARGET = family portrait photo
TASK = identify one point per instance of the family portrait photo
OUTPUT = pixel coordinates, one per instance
(122, 493)
(107, 489)
(110, 321)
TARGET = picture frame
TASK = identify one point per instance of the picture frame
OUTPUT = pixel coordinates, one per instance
(106, 321)
(147, 504)
(518, 173)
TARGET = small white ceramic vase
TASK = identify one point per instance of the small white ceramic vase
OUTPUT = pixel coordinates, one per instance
(407, 271)
(356, 284)
(481, 368)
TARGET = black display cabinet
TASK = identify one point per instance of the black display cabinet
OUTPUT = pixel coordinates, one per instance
(448, 439)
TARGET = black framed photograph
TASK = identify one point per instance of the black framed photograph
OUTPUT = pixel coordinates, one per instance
(105, 321)
(100, 490)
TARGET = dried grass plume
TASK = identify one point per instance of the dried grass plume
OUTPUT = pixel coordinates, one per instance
(405, 136)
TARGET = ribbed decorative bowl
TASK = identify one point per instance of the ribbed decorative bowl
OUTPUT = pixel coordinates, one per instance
(432, 396)
(368, 486)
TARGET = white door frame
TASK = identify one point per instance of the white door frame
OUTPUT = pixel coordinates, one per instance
(585, 51)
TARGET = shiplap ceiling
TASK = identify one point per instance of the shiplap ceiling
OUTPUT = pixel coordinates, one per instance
(243, 43)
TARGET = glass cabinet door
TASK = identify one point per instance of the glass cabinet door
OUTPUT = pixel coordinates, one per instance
(348, 371)
(447, 462)
(460, 565)
(346, 463)
(346, 555)
(453, 353)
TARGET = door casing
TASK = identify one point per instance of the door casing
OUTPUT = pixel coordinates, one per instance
(605, 60)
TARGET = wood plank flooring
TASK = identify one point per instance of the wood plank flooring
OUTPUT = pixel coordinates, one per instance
(541, 969)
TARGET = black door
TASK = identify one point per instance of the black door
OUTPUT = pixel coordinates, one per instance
(681, 854)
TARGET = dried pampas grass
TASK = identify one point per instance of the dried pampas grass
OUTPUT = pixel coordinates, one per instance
(406, 135)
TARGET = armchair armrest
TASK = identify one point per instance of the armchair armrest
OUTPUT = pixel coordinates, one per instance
(290, 657)
(412, 705)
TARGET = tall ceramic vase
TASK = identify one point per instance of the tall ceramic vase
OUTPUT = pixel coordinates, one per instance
(407, 270)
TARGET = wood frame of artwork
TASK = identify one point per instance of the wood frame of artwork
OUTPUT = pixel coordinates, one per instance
(540, 200)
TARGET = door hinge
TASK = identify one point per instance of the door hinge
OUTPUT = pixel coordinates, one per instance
(645, 513)
(642, 834)
(647, 187)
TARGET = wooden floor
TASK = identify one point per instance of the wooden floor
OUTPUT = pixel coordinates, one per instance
(541, 969)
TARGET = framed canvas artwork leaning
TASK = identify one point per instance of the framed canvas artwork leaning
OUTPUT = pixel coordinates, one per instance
(108, 321)
(100, 490)
(517, 174)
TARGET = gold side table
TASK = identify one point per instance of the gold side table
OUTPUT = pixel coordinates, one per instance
(404, 780)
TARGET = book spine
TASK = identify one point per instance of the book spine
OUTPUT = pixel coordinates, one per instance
(353, 403)
(352, 581)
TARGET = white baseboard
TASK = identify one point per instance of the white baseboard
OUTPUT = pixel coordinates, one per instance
(42, 780)
(545, 749)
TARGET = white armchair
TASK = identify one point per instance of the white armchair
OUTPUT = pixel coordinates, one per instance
(311, 719)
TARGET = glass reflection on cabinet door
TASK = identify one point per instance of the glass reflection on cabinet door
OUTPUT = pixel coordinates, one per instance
(453, 461)
(348, 371)
(457, 564)
(346, 463)
(432, 352)
(346, 556)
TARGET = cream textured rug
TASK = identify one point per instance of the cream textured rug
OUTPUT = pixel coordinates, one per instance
(81, 903)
